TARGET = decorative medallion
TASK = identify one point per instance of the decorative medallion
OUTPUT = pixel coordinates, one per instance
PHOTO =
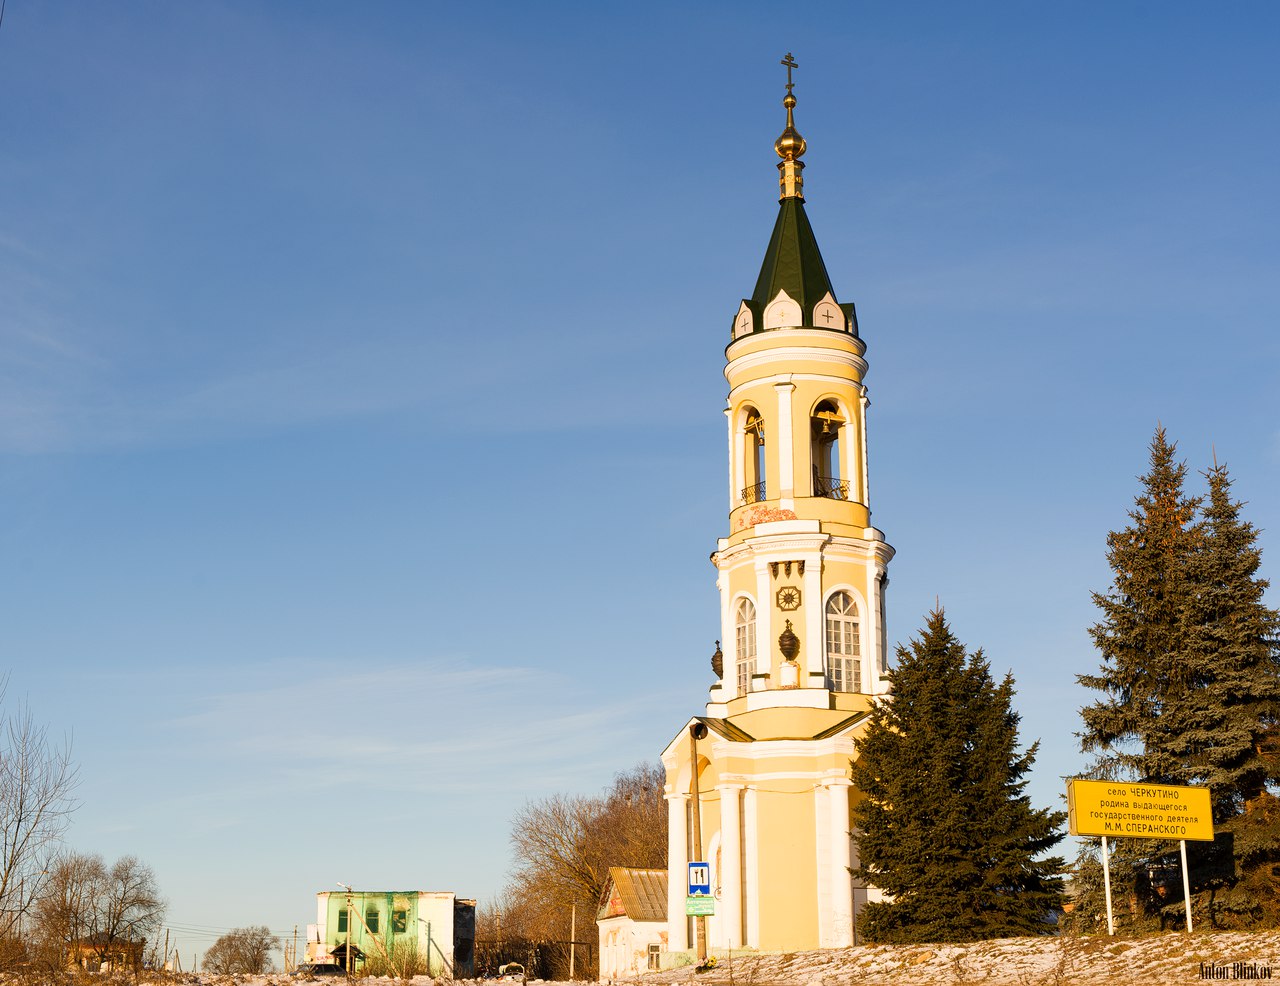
(788, 598)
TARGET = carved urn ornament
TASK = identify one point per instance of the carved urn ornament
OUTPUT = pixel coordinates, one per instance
(717, 661)
(789, 643)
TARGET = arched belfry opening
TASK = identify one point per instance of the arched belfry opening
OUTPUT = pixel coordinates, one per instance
(753, 488)
(826, 428)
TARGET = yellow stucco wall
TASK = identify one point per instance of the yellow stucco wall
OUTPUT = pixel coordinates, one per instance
(786, 823)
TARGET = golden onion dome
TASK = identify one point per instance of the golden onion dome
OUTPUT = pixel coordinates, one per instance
(790, 145)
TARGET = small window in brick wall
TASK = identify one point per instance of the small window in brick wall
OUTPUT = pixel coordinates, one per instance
(399, 922)
(371, 919)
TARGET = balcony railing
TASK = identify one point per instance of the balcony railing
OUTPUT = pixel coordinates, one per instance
(753, 494)
(829, 486)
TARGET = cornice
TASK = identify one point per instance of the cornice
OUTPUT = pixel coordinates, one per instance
(773, 340)
(765, 547)
(768, 547)
(790, 356)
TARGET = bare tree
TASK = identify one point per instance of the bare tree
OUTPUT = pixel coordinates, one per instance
(242, 950)
(563, 847)
(90, 908)
(134, 908)
(37, 780)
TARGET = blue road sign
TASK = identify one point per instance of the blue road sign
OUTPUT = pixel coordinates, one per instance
(699, 880)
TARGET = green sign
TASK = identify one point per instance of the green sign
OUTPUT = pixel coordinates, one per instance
(700, 906)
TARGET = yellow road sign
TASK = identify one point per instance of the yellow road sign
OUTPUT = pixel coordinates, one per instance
(1139, 811)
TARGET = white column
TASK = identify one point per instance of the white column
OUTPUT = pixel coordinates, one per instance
(751, 871)
(815, 644)
(822, 845)
(764, 622)
(728, 681)
(869, 647)
(785, 439)
(731, 864)
(851, 450)
(841, 860)
(866, 477)
(735, 461)
(677, 871)
(882, 631)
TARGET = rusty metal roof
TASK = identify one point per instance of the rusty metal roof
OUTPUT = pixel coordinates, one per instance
(640, 894)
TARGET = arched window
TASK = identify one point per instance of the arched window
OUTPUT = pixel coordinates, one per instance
(844, 665)
(745, 632)
(825, 426)
(753, 457)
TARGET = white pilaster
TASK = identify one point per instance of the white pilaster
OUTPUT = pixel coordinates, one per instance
(677, 871)
(751, 871)
(730, 864)
(822, 845)
(785, 439)
(764, 622)
(866, 479)
(870, 645)
(728, 638)
(841, 861)
(850, 452)
(879, 642)
(735, 461)
(815, 645)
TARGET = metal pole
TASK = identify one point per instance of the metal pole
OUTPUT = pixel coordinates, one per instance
(1186, 881)
(573, 934)
(350, 916)
(696, 732)
(1106, 883)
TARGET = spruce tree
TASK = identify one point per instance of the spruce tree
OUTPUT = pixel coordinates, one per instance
(945, 828)
(1226, 729)
(1142, 635)
(1234, 637)
(1148, 666)
(1191, 692)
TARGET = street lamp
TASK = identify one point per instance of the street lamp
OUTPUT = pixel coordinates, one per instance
(697, 731)
(428, 927)
(349, 893)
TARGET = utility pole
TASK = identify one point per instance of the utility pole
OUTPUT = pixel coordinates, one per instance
(349, 919)
(293, 959)
(696, 732)
(573, 935)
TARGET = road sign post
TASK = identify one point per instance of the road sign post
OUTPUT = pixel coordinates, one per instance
(1113, 809)
(699, 880)
(698, 901)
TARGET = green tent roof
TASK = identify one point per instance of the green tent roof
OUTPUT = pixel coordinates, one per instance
(793, 262)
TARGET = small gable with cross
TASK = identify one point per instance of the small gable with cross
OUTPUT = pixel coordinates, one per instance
(783, 312)
(827, 314)
(744, 323)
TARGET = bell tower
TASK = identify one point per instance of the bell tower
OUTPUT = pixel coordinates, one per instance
(802, 563)
(802, 575)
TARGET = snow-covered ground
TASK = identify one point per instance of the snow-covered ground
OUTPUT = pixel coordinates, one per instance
(1165, 960)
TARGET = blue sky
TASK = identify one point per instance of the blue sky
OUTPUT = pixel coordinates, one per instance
(303, 305)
